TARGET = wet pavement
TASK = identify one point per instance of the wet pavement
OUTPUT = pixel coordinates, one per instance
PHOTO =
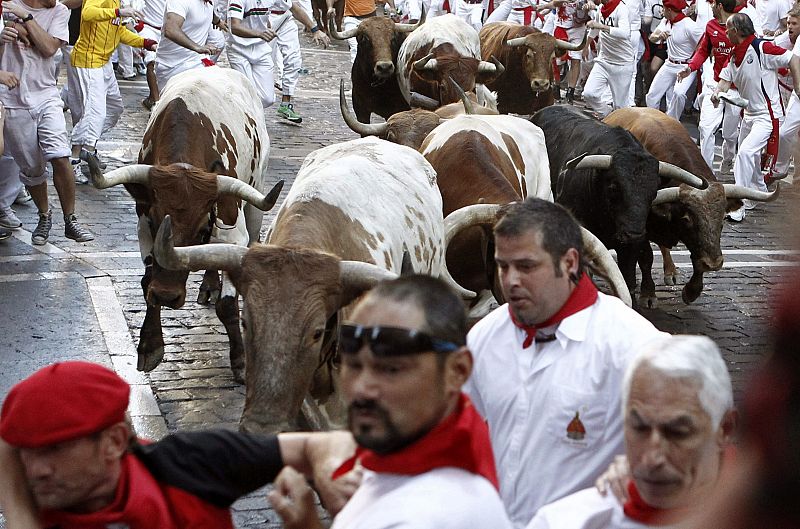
(68, 300)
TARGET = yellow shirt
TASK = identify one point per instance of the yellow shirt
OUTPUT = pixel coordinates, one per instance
(101, 33)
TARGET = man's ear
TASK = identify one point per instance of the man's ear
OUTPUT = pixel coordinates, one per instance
(458, 368)
(727, 427)
(116, 439)
(570, 262)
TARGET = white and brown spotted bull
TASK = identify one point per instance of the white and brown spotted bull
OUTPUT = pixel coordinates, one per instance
(203, 162)
(354, 211)
(681, 213)
(444, 47)
(527, 55)
(373, 76)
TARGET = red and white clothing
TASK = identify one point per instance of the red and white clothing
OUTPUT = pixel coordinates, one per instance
(567, 29)
(771, 12)
(752, 69)
(470, 11)
(791, 124)
(524, 12)
(785, 82)
(171, 58)
(150, 27)
(530, 398)
(715, 44)
(614, 63)
(684, 33)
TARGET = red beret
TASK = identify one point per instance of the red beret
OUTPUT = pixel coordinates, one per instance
(675, 5)
(62, 402)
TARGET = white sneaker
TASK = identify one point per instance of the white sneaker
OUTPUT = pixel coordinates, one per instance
(749, 204)
(23, 196)
(726, 167)
(80, 178)
(736, 215)
(8, 219)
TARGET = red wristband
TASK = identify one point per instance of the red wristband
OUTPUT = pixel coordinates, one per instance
(149, 43)
(139, 26)
(116, 12)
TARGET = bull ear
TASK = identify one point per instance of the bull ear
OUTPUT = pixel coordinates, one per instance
(407, 268)
(216, 167)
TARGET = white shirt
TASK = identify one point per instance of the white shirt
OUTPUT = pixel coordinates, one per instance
(153, 13)
(197, 15)
(635, 9)
(655, 10)
(752, 76)
(683, 38)
(443, 498)
(530, 397)
(615, 45)
(755, 17)
(254, 14)
(705, 12)
(586, 509)
(771, 12)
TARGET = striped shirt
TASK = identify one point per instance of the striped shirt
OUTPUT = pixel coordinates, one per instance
(101, 33)
(254, 15)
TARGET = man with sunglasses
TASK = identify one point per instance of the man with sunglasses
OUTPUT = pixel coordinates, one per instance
(549, 363)
(425, 452)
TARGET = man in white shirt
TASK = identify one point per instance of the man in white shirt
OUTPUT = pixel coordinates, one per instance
(549, 363)
(791, 124)
(679, 422)
(614, 64)
(425, 452)
(773, 15)
(150, 28)
(681, 34)
(752, 69)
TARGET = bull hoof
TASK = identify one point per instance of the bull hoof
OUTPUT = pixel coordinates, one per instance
(238, 374)
(207, 296)
(648, 300)
(671, 279)
(689, 294)
(149, 361)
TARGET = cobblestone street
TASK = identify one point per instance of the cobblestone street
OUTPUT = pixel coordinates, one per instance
(71, 300)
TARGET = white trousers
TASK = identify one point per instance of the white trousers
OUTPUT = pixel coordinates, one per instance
(638, 49)
(789, 129)
(100, 103)
(472, 14)
(70, 92)
(666, 83)
(349, 23)
(9, 181)
(616, 77)
(259, 71)
(753, 136)
(710, 119)
(288, 43)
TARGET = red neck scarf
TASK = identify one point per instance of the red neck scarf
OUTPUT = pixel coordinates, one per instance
(680, 16)
(608, 8)
(461, 440)
(739, 50)
(739, 8)
(583, 296)
(141, 502)
(637, 509)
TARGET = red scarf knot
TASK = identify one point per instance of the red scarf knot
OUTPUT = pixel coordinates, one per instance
(460, 440)
(583, 296)
(637, 509)
(608, 8)
(680, 16)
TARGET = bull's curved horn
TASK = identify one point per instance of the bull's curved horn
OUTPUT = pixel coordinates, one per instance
(130, 174)
(202, 257)
(604, 265)
(669, 170)
(567, 46)
(365, 129)
(468, 216)
(426, 63)
(589, 161)
(408, 28)
(356, 277)
(514, 43)
(499, 69)
(668, 194)
(234, 186)
(734, 191)
(349, 34)
(468, 107)
(486, 67)
(420, 101)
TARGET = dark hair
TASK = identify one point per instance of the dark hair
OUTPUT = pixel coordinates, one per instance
(742, 24)
(445, 315)
(727, 5)
(558, 228)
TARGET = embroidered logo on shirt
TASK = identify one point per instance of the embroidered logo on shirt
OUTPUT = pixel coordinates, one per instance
(750, 60)
(575, 429)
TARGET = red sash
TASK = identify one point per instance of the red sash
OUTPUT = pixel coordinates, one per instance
(461, 440)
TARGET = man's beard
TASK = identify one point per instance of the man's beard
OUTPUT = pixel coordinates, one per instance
(392, 440)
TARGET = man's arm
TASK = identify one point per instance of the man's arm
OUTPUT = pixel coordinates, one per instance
(94, 13)
(794, 67)
(46, 45)
(72, 4)
(317, 34)
(699, 57)
(173, 30)
(240, 30)
(16, 500)
(293, 500)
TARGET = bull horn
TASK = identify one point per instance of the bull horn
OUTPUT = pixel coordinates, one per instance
(666, 195)
(604, 265)
(202, 257)
(468, 216)
(567, 46)
(420, 101)
(589, 161)
(349, 34)
(408, 28)
(734, 191)
(234, 186)
(130, 174)
(486, 67)
(669, 170)
(468, 107)
(365, 129)
(426, 63)
(514, 43)
(356, 277)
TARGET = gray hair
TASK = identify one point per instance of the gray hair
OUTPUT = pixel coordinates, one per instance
(684, 356)
(742, 24)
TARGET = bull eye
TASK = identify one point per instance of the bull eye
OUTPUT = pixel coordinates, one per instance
(318, 334)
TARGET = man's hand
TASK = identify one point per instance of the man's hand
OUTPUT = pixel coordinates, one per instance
(221, 25)
(207, 49)
(15, 9)
(334, 494)
(267, 35)
(715, 98)
(615, 479)
(129, 12)
(9, 79)
(593, 24)
(9, 34)
(293, 500)
(320, 37)
(683, 74)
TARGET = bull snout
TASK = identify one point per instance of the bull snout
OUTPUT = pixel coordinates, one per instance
(537, 85)
(711, 264)
(166, 296)
(383, 69)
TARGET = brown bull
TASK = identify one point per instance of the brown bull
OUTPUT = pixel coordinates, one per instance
(681, 213)
(527, 55)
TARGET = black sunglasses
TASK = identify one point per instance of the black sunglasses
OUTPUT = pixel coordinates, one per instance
(390, 341)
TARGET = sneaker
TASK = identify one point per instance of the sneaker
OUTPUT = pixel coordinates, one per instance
(8, 219)
(80, 178)
(148, 103)
(571, 96)
(726, 167)
(141, 69)
(42, 231)
(73, 230)
(287, 111)
(749, 204)
(736, 215)
(23, 196)
(4, 234)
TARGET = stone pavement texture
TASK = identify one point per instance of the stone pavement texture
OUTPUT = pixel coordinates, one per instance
(70, 300)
